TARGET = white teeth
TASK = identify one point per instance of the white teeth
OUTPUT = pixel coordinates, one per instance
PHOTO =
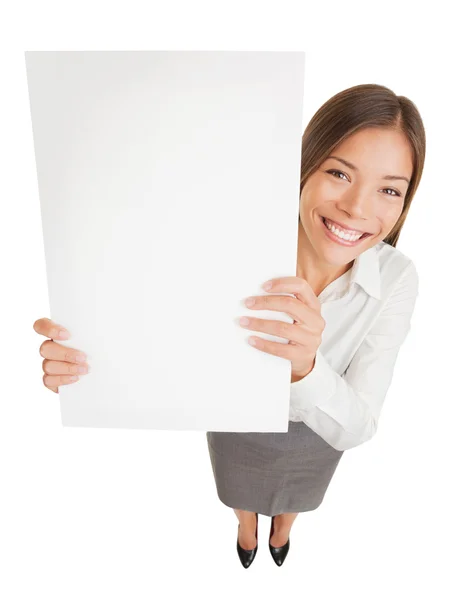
(351, 237)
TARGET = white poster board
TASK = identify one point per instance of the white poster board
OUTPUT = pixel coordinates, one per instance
(169, 191)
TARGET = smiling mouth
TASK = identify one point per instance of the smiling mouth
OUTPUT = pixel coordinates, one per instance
(349, 231)
(351, 240)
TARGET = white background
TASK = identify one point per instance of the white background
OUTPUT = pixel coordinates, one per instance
(133, 514)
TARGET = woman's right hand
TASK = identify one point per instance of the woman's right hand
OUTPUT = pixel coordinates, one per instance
(61, 365)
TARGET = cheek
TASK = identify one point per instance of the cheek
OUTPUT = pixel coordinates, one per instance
(390, 214)
(320, 192)
(326, 186)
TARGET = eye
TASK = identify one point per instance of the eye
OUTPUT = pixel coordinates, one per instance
(396, 193)
(331, 171)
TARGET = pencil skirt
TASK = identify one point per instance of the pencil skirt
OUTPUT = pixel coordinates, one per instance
(272, 472)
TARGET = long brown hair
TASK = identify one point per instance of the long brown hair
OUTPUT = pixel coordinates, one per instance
(358, 107)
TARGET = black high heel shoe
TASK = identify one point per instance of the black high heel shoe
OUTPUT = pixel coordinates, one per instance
(280, 553)
(247, 556)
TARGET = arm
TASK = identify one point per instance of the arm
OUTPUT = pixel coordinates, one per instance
(344, 410)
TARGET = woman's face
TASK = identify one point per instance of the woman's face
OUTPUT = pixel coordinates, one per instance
(364, 194)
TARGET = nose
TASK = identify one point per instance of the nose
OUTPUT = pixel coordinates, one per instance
(357, 204)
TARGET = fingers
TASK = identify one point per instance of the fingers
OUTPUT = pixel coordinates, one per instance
(300, 334)
(297, 286)
(50, 329)
(55, 367)
(289, 305)
(52, 382)
(286, 351)
(54, 351)
(58, 373)
(61, 365)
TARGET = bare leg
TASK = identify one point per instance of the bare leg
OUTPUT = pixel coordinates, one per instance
(247, 529)
(281, 528)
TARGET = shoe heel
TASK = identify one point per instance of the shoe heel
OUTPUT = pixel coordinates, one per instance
(278, 553)
(247, 556)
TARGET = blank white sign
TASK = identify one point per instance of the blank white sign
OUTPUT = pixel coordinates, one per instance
(169, 190)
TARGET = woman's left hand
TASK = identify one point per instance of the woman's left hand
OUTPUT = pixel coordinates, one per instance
(304, 335)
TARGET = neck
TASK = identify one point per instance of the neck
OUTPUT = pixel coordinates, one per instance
(311, 267)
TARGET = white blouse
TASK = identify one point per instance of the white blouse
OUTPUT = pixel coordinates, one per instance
(368, 312)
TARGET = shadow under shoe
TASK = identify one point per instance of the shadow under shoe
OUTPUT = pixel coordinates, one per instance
(247, 556)
(278, 553)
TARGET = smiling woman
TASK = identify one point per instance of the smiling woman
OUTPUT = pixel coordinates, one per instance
(352, 300)
(346, 195)
(367, 109)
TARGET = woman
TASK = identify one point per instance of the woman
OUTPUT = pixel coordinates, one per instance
(352, 300)
(362, 159)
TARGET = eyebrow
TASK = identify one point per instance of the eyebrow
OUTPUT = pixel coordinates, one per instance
(351, 166)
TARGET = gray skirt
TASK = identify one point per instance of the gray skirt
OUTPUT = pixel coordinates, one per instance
(272, 473)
